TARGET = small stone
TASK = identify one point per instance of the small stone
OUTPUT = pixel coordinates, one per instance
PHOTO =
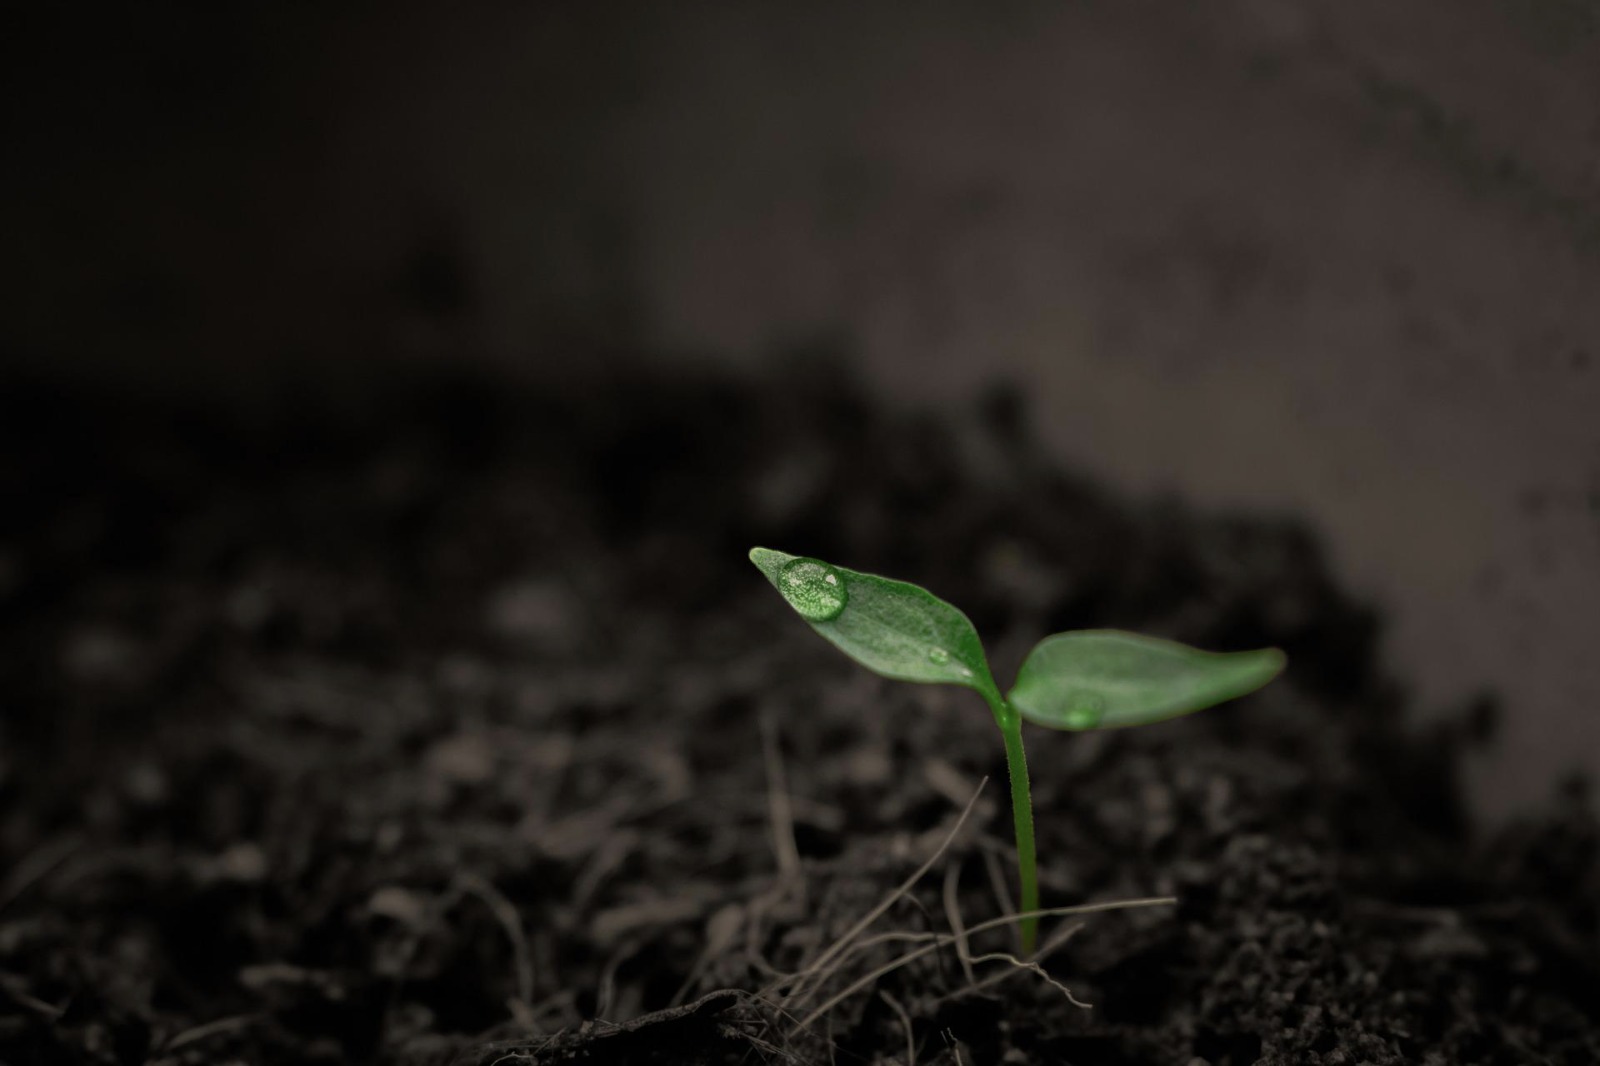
(399, 904)
(533, 612)
(464, 759)
(146, 784)
(98, 654)
(867, 766)
(243, 862)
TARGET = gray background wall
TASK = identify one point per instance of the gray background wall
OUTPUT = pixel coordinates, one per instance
(1335, 257)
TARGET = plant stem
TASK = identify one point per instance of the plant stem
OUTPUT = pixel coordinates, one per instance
(1021, 816)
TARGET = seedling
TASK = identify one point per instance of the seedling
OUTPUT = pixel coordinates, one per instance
(1080, 680)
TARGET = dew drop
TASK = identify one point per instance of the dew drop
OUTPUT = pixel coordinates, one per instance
(1085, 712)
(938, 655)
(814, 589)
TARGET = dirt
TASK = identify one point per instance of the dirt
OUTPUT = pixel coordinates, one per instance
(453, 726)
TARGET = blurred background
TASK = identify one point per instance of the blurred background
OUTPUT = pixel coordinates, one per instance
(1337, 259)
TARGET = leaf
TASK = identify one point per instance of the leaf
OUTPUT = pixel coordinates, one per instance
(893, 628)
(1107, 679)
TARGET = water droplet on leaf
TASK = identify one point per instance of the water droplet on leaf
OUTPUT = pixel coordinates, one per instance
(814, 589)
(938, 655)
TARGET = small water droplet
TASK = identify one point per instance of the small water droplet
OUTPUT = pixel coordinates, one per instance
(813, 588)
(938, 655)
(1085, 711)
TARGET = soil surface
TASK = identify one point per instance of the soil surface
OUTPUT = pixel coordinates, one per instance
(454, 726)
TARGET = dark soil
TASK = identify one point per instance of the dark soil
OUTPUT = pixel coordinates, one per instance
(453, 726)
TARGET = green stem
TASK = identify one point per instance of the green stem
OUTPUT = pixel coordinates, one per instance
(1021, 815)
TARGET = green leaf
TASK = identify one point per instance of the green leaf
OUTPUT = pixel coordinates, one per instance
(893, 628)
(1106, 679)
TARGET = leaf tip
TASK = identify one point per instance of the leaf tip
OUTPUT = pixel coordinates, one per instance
(769, 562)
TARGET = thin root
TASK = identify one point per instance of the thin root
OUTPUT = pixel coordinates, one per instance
(905, 1023)
(801, 993)
(952, 914)
(948, 939)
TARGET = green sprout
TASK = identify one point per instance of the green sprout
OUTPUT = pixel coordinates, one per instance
(1080, 680)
